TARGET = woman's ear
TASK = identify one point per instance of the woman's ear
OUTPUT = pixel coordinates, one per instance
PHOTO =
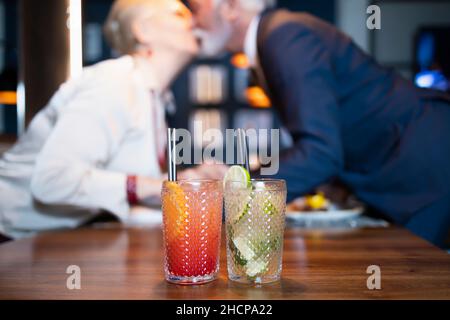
(141, 32)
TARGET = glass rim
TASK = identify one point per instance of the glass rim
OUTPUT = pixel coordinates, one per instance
(267, 184)
(261, 180)
(193, 180)
(195, 183)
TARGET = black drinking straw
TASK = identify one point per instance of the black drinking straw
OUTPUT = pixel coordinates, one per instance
(171, 154)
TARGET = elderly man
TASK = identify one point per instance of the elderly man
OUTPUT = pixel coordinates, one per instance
(350, 118)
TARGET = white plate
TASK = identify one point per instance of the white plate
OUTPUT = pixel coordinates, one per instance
(334, 215)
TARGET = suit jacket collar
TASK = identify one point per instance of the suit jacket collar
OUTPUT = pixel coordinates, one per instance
(263, 30)
(261, 75)
(251, 42)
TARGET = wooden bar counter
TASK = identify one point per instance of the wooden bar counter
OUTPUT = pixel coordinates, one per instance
(127, 263)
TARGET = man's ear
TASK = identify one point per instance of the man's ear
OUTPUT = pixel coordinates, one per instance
(230, 9)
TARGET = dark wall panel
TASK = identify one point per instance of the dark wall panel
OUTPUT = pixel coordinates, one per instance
(44, 50)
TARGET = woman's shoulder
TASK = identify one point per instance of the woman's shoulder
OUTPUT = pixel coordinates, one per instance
(109, 72)
(109, 80)
(101, 88)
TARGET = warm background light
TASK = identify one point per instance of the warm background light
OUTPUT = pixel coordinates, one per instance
(240, 61)
(257, 97)
(8, 97)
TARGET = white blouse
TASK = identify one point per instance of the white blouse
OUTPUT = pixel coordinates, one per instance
(73, 161)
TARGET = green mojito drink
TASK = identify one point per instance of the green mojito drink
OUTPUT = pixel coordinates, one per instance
(255, 219)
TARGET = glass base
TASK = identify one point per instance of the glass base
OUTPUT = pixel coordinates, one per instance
(256, 280)
(191, 280)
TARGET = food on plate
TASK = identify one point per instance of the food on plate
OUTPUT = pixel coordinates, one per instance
(310, 203)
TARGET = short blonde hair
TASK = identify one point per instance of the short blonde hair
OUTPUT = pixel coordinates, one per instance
(118, 26)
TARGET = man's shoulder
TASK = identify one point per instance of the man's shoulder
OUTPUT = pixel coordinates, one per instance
(273, 21)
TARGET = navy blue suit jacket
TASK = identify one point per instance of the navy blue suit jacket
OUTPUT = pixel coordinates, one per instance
(353, 119)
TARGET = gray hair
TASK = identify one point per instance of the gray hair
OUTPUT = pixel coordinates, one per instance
(255, 5)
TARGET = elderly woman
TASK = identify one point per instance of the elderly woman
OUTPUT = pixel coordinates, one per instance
(99, 145)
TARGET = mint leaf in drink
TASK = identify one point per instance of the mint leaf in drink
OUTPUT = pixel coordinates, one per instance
(244, 213)
(267, 246)
(269, 208)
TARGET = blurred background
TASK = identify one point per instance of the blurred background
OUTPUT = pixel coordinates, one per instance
(43, 43)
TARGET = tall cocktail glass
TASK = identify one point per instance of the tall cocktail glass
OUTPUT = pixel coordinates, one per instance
(255, 220)
(192, 220)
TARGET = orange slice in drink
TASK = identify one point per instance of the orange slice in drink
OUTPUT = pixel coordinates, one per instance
(175, 210)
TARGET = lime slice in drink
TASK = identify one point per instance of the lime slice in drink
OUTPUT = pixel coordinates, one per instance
(244, 249)
(240, 179)
(238, 175)
(256, 267)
